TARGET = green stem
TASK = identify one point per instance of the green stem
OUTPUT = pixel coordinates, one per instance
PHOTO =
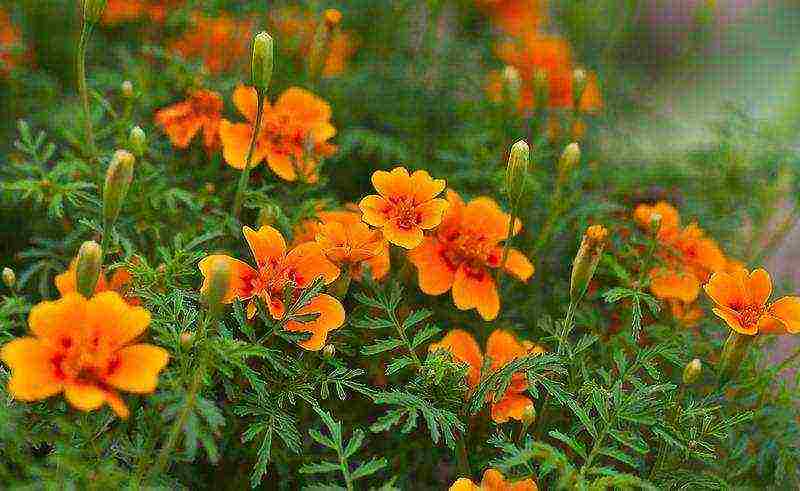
(399, 327)
(345, 470)
(83, 91)
(461, 457)
(506, 247)
(245, 176)
(788, 361)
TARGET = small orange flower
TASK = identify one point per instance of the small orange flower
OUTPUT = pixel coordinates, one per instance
(119, 11)
(276, 269)
(220, 42)
(516, 17)
(66, 283)
(664, 214)
(202, 110)
(85, 348)
(406, 205)
(502, 347)
(493, 480)
(741, 300)
(462, 252)
(11, 48)
(293, 137)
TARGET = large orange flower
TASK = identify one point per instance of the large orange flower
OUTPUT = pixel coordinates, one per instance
(501, 348)
(294, 133)
(220, 42)
(66, 282)
(464, 250)
(202, 110)
(493, 480)
(276, 270)
(405, 206)
(741, 301)
(85, 348)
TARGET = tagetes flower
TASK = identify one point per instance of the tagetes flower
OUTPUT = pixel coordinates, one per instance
(515, 17)
(405, 206)
(502, 347)
(202, 110)
(549, 54)
(221, 42)
(665, 215)
(463, 251)
(11, 49)
(741, 301)
(119, 11)
(85, 348)
(293, 138)
(276, 270)
(66, 283)
(493, 480)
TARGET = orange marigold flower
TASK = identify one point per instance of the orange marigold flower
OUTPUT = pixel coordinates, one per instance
(516, 17)
(276, 269)
(493, 480)
(686, 314)
(462, 252)
(502, 347)
(293, 137)
(85, 348)
(741, 301)
(119, 11)
(202, 110)
(220, 42)
(664, 214)
(11, 50)
(405, 206)
(66, 282)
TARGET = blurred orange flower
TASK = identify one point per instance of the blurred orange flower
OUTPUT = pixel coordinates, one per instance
(293, 137)
(276, 270)
(85, 348)
(741, 301)
(516, 17)
(462, 252)
(202, 110)
(66, 283)
(665, 215)
(220, 42)
(502, 347)
(493, 480)
(12, 51)
(119, 11)
(405, 206)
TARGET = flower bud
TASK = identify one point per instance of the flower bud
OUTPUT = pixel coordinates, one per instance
(569, 159)
(517, 169)
(692, 371)
(579, 80)
(262, 62)
(528, 415)
(9, 278)
(93, 10)
(218, 284)
(118, 180)
(329, 351)
(127, 89)
(512, 82)
(137, 141)
(187, 338)
(585, 263)
(87, 268)
(332, 17)
(541, 89)
(733, 354)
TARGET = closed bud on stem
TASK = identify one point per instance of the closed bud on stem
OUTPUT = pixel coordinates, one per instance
(578, 86)
(517, 169)
(585, 263)
(187, 338)
(733, 354)
(692, 371)
(127, 89)
(512, 82)
(529, 415)
(568, 161)
(87, 267)
(262, 62)
(9, 278)
(218, 283)
(329, 351)
(93, 10)
(118, 181)
(137, 141)
(541, 89)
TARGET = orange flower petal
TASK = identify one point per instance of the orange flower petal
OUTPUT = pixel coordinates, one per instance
(407, 238)
(465, 349)
(669, 284)
(117, 404)
(394, 183)
(502, 347)
(245, 99)
(54, 320)
(138, 368)
(476, 289)
(759, 287)
(732, 320)
(304, 105)
(236, 143)
(33, 377)
(424, 187)
(519, 265)
(373, 210)
(483, 214)
(129, 322)
(331, 317)
(432, 212)
(84, 396)
(787, 310)
(511, 406)
(266, 244)
(434, 274)
(726, 290)
(464, 484)
(310, 263)
(242, 275)
(282, 165)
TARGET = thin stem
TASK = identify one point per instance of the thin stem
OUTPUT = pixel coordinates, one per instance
(348, 480)
(83, 91)
(788, 361)
(507, 246)
(461, 456)
(399, 327)
(244, 178)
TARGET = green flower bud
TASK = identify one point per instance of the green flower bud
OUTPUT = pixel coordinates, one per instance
(262, 62)
(569, 159)
(733, 354)
(585, 263)
(87, 268)
(517, 169)
(218, 283)
(118, 180)
(692, 371)
(137, 141)
(9, 278)
(579, 80)
(127, 89)
(329, 351)
(541, 88)
(529, 415)
(93, 10)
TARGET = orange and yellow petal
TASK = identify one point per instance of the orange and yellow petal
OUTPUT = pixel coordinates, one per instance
(407, 238)
(435, 275)
(373, 209)
(511, 406)
(465, 349)
(53, 320)
(424, 187)
(669, 284)
(137, 368)
(235, 138)
(431, 212)
(502, 347)
(245, 99)
(309, 263)
(396, 183)
(129, 322)
(331, 316)
(32, 373)
(476, 289)
(85, 397)
(267, 243)
(241, 277)
(464, 484)
(282, 165)
(759, 287)
(726, 289)
(732, 320)
(787, 311)
(116, 404)
(306, 107)
(518, 265)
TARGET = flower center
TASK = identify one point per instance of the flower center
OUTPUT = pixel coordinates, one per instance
(86, 362)
(750, 316)
(404, 211)
(475, 249)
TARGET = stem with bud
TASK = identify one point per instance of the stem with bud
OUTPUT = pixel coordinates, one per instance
(245, 176)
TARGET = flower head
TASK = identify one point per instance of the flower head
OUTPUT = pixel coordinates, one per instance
(405, 206)
(119, 11)
(85, 348)
(516, 17)
(493, 480)
(502, 347)
(463, 251)
(202, 110)
(66, 283)
(277, 271)
(12, 51)
(293, 137)
(741, 301)
(219, 42)
(662, 216)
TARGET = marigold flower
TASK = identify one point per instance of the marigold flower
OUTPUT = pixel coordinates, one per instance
(516, 17)
(493, 480)
(663, 214)
(741, 301)
(220, 42)
(462, 252)
(293, 137)
(202, 110)
(276, 270)
(405, 206)
(11, 48)
(502, 347)
(66, 283)
(119, 11)
(85, 348)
